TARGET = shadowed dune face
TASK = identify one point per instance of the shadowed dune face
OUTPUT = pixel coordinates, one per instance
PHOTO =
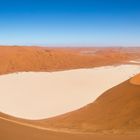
(43, 95)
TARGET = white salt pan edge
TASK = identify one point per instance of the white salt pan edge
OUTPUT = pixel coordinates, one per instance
(38, 95)
(136, 62)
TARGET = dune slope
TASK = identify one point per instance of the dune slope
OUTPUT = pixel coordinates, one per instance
(39, 95)
(135, 80)
(12, 130)
(22, 58)
(116, 111)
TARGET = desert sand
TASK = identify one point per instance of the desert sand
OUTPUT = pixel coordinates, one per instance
(38, 95)
(135, 80)
(116, 111)
(23, 58)
(14, 131)
(13, 128)
(113, 112)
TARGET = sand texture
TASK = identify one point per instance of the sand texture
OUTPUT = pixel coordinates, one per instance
(109, 104)
(38, 95)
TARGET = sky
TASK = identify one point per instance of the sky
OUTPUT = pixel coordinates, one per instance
(70, 22)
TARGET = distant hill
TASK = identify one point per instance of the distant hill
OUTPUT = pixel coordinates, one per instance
(22, 58)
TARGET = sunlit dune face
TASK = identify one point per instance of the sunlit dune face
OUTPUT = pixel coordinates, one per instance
(135, 80)
(37, 95)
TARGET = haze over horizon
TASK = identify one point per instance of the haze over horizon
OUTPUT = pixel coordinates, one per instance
(70, 22)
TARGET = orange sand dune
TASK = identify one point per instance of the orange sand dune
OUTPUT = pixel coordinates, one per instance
(135, 80)
(12, 130)
(20, 58)
(116, 111)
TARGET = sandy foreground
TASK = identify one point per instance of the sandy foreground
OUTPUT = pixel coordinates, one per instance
(14, 131)
(37, 95)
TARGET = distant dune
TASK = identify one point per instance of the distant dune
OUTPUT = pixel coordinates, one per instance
(21, 58)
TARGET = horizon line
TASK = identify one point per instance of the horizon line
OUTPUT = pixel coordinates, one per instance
(71, 45)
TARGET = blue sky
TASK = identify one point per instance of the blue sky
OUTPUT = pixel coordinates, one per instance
(70, 22)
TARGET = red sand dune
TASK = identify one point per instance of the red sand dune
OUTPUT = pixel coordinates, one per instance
(135, 80)
(14, 131)
(114, 112)
(15, 58)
